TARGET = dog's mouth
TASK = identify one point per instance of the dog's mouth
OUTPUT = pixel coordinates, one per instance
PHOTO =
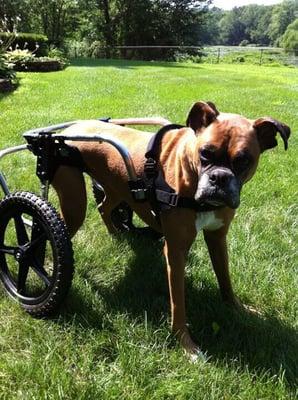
(218, 196)
(215, 203)
(219, 200)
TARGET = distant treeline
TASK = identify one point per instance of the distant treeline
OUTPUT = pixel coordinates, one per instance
(252, 24)
(110, 23)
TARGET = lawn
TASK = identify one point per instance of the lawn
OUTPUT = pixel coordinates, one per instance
(111, 339)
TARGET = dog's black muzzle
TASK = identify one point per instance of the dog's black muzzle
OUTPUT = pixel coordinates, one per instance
(218, 186)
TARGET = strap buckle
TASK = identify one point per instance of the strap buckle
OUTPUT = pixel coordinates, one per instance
(168, 198)
(173, 199)
(150, 168)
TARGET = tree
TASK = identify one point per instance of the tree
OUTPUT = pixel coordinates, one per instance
(16, 13)
(56, 18)
(283, 14)
(290, 38)
(233, 30)
(210, 32)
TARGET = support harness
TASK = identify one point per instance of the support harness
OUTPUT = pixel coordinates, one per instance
(161, 195)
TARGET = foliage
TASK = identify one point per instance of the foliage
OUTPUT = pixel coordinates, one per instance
(24, 60)
(263, 25)
(57, 54)
(96, 27)
(114, 22)
(249, 56)
(283, 14)
(19, 56)
(290, 38)
(6, 68)
(78, 48)
(30, 41)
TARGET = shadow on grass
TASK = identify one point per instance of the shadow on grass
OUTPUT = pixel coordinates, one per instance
(9, 91)
(127, 64)
(259, 343)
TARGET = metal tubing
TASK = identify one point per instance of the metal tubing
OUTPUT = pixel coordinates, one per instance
(51, 128)
(106, 139)
(140, 121)
(121, 121)
(4, 185)
(45, 190)
(3, 153)
(77, 137)
(13, 149)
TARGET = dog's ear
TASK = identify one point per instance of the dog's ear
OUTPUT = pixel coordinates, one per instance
(267, 129)
(201, 115)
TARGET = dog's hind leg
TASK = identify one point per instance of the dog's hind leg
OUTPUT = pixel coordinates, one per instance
(70, 186)
(109, 203)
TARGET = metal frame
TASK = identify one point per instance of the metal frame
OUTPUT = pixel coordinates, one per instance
(139, 192)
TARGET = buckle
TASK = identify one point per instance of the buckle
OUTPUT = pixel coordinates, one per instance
(173, 199)
(150, 167)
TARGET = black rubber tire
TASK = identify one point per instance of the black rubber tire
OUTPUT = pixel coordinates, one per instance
(29, 260)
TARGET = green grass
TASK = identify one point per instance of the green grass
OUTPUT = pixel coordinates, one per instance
(111, 340)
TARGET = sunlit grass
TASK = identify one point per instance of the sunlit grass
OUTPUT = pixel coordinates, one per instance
(112, 338)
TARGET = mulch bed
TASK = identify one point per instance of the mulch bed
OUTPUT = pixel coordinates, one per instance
(39, 66)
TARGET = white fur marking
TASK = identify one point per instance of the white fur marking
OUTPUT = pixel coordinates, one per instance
(207, 220)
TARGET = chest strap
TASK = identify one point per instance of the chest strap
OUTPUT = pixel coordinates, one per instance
(161, 195)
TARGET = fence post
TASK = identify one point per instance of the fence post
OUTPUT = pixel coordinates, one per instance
(261, 56)
(218, 55)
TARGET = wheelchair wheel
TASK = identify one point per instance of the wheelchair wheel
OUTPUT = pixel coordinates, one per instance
(36, 258)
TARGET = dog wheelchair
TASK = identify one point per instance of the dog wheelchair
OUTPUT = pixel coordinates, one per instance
(36, 256)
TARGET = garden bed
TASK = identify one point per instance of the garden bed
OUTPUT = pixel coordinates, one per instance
(39, 66)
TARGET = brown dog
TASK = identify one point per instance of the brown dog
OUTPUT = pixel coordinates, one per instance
(209, 161)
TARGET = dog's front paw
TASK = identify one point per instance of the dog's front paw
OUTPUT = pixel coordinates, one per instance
(192, 350)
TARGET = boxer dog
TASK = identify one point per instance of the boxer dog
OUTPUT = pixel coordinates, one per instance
(209, 160)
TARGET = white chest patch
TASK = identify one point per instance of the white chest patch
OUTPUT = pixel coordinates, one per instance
(207, 220)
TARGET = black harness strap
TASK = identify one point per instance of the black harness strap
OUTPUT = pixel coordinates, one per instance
(161, 195)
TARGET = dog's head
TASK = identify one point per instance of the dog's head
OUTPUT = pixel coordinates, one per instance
(227, 152)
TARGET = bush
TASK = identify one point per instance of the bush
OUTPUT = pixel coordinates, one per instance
(18, 57)
(6, 68)
(195, 57)
(27, 41)
(244, 43)
(76, 49)
(24, 60)
(8, 79)
(96, 50)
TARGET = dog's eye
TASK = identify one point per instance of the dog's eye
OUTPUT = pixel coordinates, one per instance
(207, 155)
(241, 162)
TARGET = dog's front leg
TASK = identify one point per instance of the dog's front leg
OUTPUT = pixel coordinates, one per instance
(179, 236)
(217, 246)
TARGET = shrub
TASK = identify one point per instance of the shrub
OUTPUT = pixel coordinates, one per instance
(75, 49)
(6, 71)
(19, 57)
(24, 60)
(195, 57)
(27, 41)
(244, 43)
(96, 50)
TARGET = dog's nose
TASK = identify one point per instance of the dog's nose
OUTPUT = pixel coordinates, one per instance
(220, 177)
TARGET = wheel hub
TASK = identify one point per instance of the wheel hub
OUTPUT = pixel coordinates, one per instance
(19, 255)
